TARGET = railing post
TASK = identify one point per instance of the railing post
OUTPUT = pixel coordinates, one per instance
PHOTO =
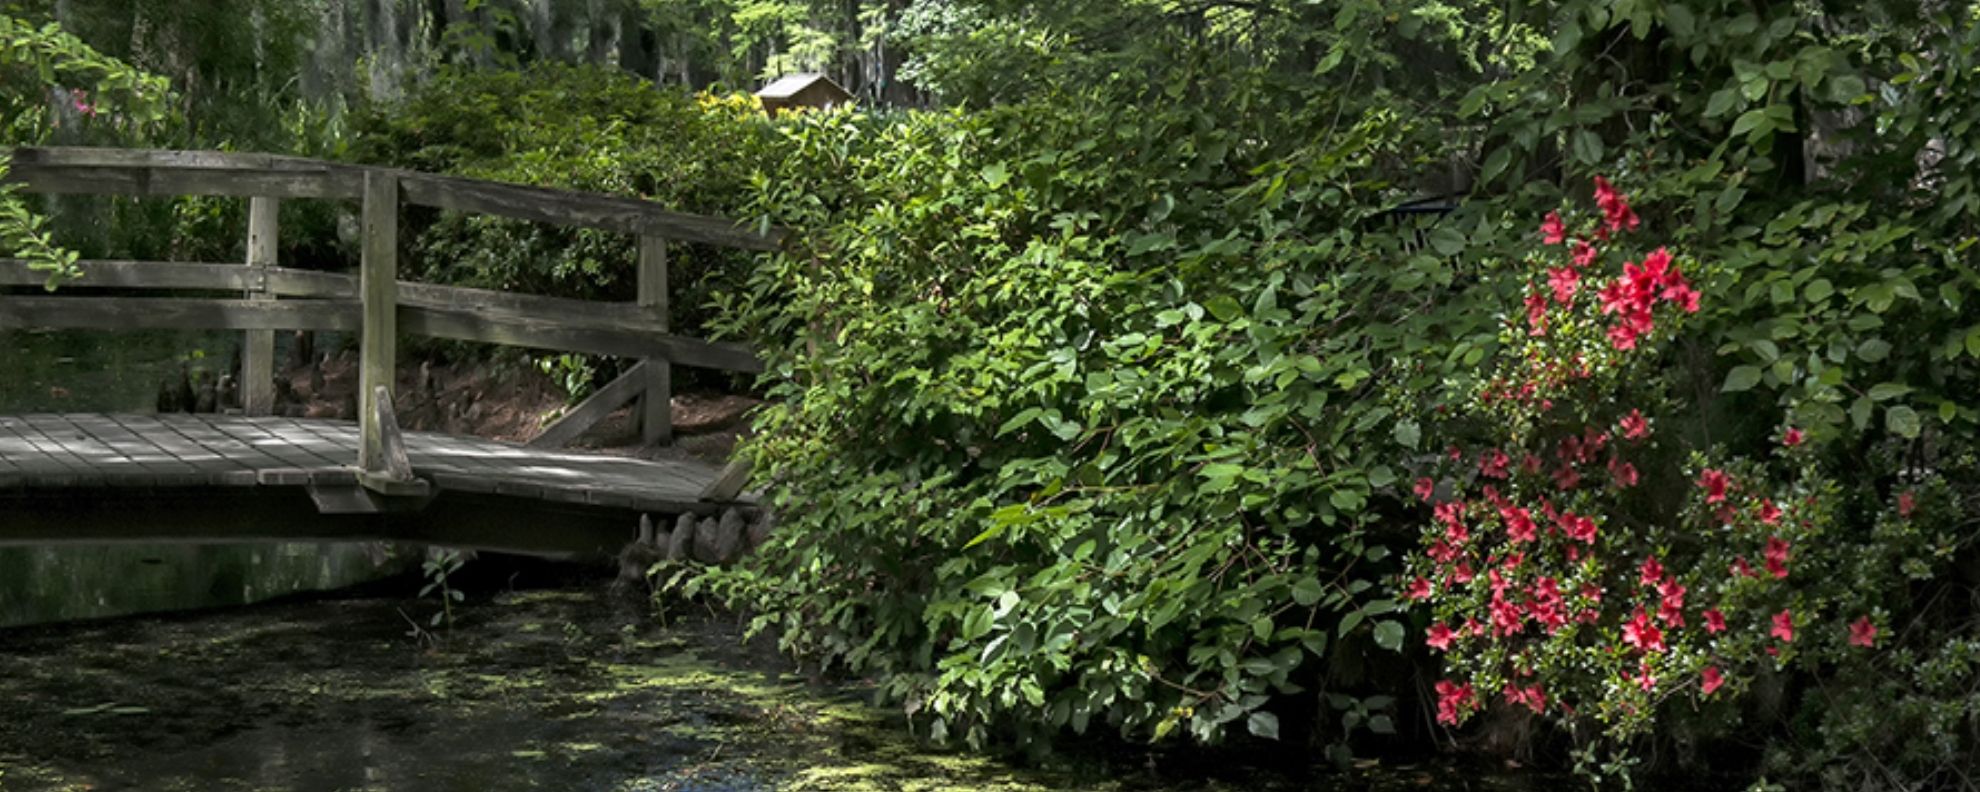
(257, 385)
(379, 288)
(656, 406)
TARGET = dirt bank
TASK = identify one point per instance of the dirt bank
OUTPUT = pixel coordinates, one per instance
(514, 405)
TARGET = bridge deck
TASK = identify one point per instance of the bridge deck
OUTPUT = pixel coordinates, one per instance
(117, 477)
(103, 450)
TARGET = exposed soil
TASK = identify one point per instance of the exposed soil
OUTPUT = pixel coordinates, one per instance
(470, 399)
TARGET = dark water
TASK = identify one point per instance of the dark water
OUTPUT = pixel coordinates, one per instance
(95, 371)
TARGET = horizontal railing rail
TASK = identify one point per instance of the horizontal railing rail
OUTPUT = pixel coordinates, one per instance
(373, 303)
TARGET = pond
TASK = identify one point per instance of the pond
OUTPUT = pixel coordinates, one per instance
(546, 680)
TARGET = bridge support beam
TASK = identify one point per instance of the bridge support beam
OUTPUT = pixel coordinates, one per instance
(257, 385)
(378, 288)
(656, 407)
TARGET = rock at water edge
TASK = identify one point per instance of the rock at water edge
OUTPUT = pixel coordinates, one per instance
(682, 540)
(759, 530)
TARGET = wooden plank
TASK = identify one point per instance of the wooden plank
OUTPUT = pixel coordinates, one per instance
(162, 183)
(378, 281)
(177, 313)
(281, 281)
(729, 483)
(150, 172)
(592, 410)
(135, 275)
(599, 335)
(656, 404)
(95, 157)
(257, 384)
(146, 172)
(562, 207)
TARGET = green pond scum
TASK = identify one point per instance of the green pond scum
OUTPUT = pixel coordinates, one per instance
(531, 690)
(567, 689)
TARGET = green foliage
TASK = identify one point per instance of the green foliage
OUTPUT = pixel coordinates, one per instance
(441, 564)
(577, 128)
(48, 76)
(1077, 423)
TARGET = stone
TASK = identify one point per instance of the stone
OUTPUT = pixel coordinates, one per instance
(706, 546)
(729, 536)
(682, 539)
(760, 528)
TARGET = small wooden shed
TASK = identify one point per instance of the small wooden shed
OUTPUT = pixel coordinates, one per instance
(802, 90)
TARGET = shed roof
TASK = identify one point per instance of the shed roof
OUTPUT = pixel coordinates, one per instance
(789, 85)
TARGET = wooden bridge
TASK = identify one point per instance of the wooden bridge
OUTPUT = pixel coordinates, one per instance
(95, 478)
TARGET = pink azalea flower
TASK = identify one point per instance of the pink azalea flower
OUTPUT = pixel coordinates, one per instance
(1777, 556)
(1552, 230)
(1783, 627)
(1793, 438)
(1419, 589)
(1425, 488)
(1862, 633)
(1715, 483)
(1452, 700)
(1715, 622)
(1634, 427)
(1640, 633)
(1712, 680)
(1769, 513)
(1440, 637)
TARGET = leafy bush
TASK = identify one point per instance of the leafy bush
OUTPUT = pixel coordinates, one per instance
(1078, 417)
(578, 128)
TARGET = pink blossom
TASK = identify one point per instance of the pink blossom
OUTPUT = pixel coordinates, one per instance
(1862, 633)
(1769, 513)
(1440, 637)
(1777, 556)
(1552, 230)
(1519, 524)
(1564, 281)
(1419, 589)
(1715, 483)
(1653, 572)
(1712, 680)
(1634, 427)
(1452, 700)
(1640, 633)
(1793, 438)
(1783, 627)
(1715, 622)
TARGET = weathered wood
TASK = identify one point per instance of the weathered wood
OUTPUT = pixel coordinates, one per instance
(588, 413)
(378, 281)
(188, 275)
(729, 483)
(153, 182)
(176, 313)
(391, 443)
(577, 334)
(258, 352)
(136, 275)
(148, 172)
(598, 335)
(145, 172)
(624, 215)
(656, 405)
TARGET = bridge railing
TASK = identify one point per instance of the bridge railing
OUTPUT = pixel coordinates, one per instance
(375, 303)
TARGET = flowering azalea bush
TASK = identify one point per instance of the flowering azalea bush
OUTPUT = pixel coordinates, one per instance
(1580, 566)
